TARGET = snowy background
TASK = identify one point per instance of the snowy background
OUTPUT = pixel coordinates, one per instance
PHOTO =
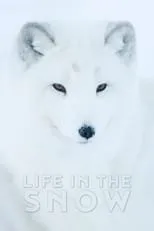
(14, 13)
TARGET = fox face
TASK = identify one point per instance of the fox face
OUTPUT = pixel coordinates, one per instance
(84, 74)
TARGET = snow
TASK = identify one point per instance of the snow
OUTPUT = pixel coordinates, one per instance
(14, 13)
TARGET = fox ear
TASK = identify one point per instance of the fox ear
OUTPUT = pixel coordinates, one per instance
(121, 38)
(34, 40)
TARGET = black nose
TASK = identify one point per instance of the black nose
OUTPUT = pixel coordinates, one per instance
(86, 132)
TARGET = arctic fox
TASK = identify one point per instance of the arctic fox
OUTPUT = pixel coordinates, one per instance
(73, 115)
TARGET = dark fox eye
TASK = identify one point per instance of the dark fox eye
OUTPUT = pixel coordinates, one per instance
(101, 87)
(59, 87)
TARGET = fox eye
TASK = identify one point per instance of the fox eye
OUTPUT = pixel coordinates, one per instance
(101, 87)
(59, 87)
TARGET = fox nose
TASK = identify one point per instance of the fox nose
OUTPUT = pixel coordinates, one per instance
(86, 132)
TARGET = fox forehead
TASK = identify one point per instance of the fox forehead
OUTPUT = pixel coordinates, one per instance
(84, 71)
(69, 64)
